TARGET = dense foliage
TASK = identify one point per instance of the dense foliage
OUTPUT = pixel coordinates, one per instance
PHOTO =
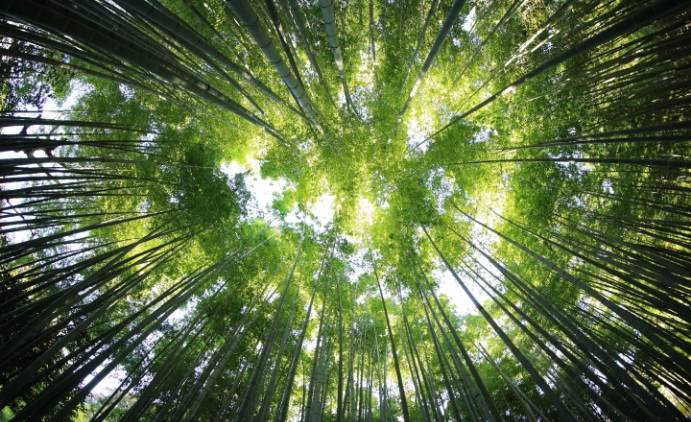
(345, 210)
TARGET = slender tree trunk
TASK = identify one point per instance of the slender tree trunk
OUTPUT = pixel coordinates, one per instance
(401, 391)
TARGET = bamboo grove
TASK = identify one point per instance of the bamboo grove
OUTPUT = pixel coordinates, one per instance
(508, 183)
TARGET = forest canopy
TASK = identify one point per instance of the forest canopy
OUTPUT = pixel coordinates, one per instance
(340, 210)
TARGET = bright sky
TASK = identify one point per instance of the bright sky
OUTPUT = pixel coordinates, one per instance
(449, 287)
(485, 239)
(265, 190)
(469, 20)
(417, 133)
(452, 289)
(51, 106)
